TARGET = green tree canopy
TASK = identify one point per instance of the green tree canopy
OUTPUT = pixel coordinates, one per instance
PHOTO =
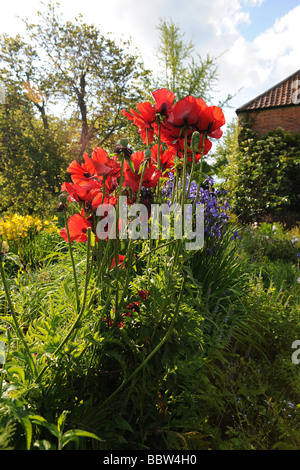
(89, 73)
(183, 70)
(65, 85)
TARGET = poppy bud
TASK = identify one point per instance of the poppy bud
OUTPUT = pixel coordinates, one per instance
(195, 141)
(147, 154)
(124, 142)
(61, 207)
(122, 148)
(63, 198)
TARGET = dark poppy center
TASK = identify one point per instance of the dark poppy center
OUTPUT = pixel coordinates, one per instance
(163, 110)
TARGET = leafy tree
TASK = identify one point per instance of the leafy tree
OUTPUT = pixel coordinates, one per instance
(93, 76)
(32, 161)
(23, 78)
(67, 69)
(33, 143)
(184, 71)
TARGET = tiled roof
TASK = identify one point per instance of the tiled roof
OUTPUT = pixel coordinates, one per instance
(277, 96)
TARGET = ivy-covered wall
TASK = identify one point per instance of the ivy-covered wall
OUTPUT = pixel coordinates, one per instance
(263, 176)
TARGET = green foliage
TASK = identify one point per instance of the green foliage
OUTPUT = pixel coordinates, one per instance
(217, 376)
(173, 350)
(65, 86)
(262, 174)
(32, 165)
(184, 71)
(93, 75)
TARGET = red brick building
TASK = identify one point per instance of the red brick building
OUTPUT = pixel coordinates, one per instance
(278, 107)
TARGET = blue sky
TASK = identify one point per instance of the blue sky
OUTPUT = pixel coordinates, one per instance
(263, 17)
(257, 41)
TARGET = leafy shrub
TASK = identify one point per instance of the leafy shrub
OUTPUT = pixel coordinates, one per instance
(271, 241)
(262, 175)
(249, 392)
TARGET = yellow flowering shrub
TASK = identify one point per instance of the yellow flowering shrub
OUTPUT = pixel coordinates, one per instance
(18, 227)
(28, 237)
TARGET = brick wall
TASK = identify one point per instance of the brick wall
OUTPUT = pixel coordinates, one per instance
(265, 120)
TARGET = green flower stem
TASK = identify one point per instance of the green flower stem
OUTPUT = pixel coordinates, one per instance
(128, 270)
(159, 167)
(200, 178)
(149, 357)
(175, 185)
(73, 262)
(141, 181)
(152, 251)
(81, 311)
(158, 145)
(191, 174)
(183, 184)
(129, 254)
(18, 329)
(117, 241)
(164, 307)
(102, 266)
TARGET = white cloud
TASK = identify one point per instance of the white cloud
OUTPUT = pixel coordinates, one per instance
(269, 58)
(253, 3)
(283, 38)
(213, 26)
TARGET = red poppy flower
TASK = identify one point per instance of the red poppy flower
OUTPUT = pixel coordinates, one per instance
(97, 166)
(111, 184)
(78, 226)
(132, 179)
(76, 192)
(211, 119)
(121, 259)
(143, 120)
(79, 192)
(79, 173)
(185, 113)
(166, 157)
(144, 294)
(103, 164)
(163, 101)
(98, 169)
(147, 113)
(137, 158)
(151, 177)
(217, 134)
(179, 146)
(95, 199)
(100, 155)
(169, 134)
(205, 150)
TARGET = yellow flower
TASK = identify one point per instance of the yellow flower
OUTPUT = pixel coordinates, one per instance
(18, 227)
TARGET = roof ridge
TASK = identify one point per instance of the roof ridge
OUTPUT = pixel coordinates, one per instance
(277, 90)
